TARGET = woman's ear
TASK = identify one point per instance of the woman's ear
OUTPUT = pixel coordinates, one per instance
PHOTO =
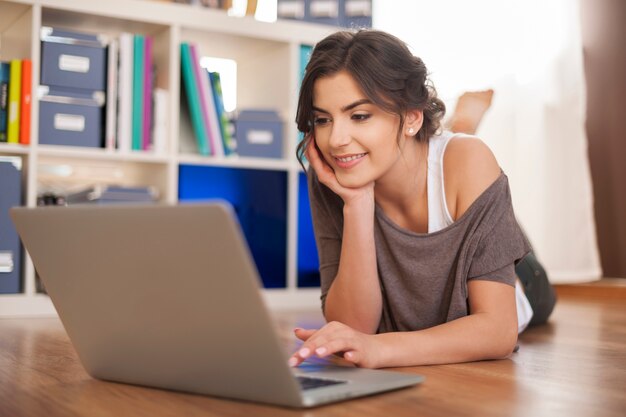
(413, 122)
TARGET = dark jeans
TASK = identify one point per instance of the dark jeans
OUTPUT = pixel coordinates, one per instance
(539, 292)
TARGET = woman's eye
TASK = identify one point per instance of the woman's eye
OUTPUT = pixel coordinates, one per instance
(361, 117)
(320, 121)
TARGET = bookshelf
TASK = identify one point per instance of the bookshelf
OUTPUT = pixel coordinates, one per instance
(268, 67)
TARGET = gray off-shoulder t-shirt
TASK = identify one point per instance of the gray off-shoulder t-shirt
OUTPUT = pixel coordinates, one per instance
(424, 277)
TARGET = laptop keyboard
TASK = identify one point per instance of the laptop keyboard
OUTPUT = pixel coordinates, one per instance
(307, 382)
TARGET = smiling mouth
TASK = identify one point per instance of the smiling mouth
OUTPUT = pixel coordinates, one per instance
(350, 158)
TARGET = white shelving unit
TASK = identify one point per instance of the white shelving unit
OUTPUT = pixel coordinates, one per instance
(268, 60)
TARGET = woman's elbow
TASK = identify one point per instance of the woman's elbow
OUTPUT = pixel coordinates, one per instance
(504, 343)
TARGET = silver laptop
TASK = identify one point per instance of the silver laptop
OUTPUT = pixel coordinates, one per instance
(168, 297)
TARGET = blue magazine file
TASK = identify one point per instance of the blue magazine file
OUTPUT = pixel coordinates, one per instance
(10, 247)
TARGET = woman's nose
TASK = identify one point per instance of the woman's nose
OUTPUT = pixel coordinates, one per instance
(339, 136)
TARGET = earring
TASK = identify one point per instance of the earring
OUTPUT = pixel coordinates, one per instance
(411, 131)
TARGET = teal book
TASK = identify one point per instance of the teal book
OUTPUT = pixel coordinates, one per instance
(4, 100)
(218, 98)
(138, 87)
(305, 56)
(193, 98)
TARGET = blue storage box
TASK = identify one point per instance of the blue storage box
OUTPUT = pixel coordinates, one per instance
(357, 14)
(326, 12)
(259, 133)
(74, 60)
(70, 117)
(345, 13)
(291, 9)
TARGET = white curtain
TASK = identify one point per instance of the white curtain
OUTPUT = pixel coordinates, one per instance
(530, 53)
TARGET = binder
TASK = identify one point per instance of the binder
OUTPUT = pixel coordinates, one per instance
(5, 69)
(147, 94)
(138, 87)
(191, 91)
(15, 91)
(125, 93)
(27, 69)
(111, 95)
(10, 247)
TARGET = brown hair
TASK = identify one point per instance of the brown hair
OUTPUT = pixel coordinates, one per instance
(384, 68)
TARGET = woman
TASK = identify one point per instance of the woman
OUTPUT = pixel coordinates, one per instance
(415, 230)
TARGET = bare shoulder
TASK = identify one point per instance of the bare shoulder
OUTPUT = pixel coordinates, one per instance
(469, 169)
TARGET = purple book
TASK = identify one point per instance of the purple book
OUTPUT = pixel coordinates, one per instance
(199, 75)
(147, 94)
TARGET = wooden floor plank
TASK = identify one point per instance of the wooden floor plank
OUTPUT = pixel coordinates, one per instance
(573, 366)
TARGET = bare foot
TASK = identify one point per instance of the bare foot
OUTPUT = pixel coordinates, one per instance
(469, 111)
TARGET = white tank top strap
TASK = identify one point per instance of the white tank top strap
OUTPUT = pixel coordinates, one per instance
(438, 214)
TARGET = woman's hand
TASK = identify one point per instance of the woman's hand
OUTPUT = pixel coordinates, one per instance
(363, 350)
(326, 176)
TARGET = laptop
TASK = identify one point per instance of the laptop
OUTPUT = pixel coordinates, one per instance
(168, 297)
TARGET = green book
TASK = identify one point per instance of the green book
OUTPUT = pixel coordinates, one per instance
(218, 97)
(138, 82)
(193, 98)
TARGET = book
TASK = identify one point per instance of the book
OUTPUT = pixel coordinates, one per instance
(4, 99)
(138, 87)
(111, 95)
(25, 105)
(193, 99)
(125, 92)
(15, 91)
(160, 126)
(207, 104)
(305, 56)
(222, 117)
(147, 94)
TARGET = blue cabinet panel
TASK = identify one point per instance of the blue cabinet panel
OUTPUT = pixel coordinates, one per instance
(308, 262)
(259, 198)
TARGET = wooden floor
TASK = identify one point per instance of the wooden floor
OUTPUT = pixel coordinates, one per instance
(574, 366)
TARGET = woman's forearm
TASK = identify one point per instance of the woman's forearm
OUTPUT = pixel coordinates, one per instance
(355, 298)
(475, 337)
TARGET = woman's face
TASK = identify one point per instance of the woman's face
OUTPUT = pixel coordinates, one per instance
(357, 138)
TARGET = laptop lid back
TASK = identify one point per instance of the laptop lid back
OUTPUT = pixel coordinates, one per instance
(163, 296)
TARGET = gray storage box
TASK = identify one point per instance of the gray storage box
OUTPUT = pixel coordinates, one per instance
(70, 117)
(259, 134)
(74, 60)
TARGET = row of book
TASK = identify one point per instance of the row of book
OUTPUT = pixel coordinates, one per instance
(99, 194)
(15, 101)
(137, 112)
(203, 91)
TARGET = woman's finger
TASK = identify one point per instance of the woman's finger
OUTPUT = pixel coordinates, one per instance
(352, 356)
(303, 353)
(321, 167)
(335, 346)
(304, 334)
